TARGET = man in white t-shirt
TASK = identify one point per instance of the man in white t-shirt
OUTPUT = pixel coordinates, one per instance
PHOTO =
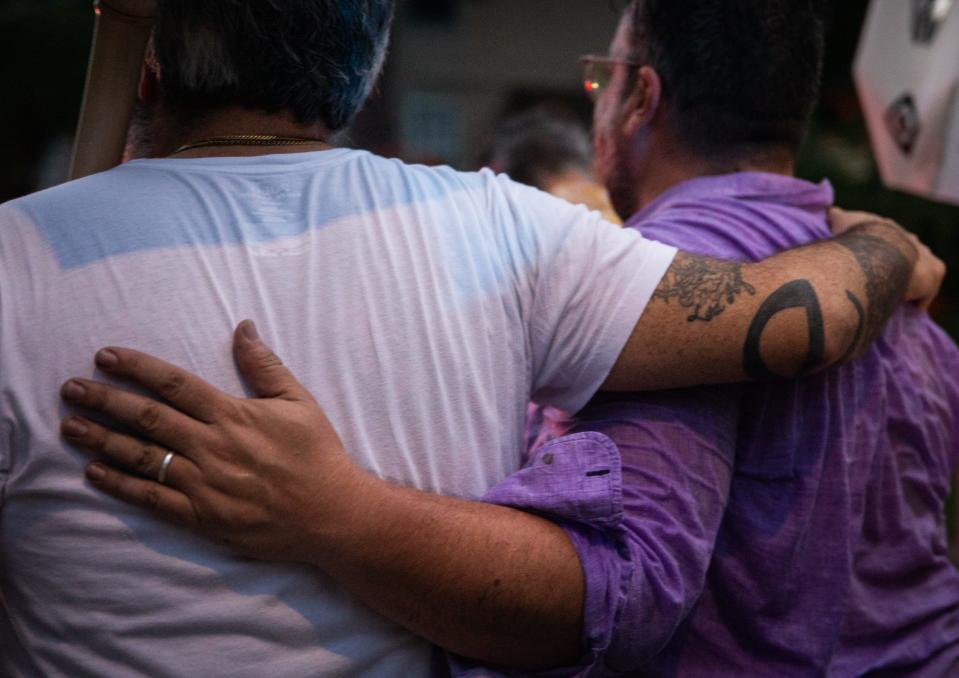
(423, 307)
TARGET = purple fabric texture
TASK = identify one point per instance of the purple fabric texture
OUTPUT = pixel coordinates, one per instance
(576, 480)
(787, 529)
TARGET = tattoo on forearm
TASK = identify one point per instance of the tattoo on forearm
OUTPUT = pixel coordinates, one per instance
(796, 294)
(860, 327)
(886, 269)
(887, 272)
(704, 285)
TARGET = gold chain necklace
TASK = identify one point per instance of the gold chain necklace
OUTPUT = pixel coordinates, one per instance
(247, 140)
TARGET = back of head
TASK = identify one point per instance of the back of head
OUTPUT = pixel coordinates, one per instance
(315, 59)
(537, 147)
(736, 73)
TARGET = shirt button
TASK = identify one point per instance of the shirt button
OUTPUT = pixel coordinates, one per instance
(548, 458)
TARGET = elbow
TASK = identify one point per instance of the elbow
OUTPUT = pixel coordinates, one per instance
(843, 335)
(830, 332)
(656, 608)
(798, 332)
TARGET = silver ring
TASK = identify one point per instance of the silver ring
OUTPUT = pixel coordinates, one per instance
(165, 466)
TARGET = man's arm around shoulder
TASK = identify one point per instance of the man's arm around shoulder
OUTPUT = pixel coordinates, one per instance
(790, 315)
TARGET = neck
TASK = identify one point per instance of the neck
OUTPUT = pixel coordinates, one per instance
(233, 121)
(675, 165)
(581, 189)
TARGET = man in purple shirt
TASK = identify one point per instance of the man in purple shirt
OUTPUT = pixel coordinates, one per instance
(644, 517)
(809, 515)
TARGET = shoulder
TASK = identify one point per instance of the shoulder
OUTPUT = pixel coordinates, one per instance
(746, 228)
(13, 214)
(423, 182)
(101, 192)
(518, 211)
(18, 227)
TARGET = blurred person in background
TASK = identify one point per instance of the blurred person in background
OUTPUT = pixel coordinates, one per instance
(424, 306)
(543, 149)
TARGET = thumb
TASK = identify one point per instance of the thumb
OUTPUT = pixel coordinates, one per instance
(262, 369)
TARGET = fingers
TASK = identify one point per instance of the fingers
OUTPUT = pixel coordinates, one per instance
(129, 454)
(185, 391)
(939, 273)
(263, 370)
(927, 277)
(160, 499)
(153, 419)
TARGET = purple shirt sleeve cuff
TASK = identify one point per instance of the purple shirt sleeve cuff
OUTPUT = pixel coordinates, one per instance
(576, 481)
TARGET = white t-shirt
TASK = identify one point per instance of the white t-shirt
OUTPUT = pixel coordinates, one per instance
(422, 307)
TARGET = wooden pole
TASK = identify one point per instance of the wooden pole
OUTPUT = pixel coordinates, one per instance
(120, 39)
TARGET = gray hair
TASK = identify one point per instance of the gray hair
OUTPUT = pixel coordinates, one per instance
(316, 59)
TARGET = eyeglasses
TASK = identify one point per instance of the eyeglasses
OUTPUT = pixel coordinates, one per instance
(598, 72)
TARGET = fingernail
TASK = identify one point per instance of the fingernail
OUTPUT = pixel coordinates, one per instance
(96, 472)
(248, 329)
(73, 390)
(107, 359)
(74, 427)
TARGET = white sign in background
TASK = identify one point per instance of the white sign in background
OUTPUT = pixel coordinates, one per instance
(907, 75)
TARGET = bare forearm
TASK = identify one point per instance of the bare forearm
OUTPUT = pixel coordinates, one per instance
(270, 477)
(486, 582)
(790, 315)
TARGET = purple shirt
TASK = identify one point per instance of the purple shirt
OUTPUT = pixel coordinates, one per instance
(831, 556)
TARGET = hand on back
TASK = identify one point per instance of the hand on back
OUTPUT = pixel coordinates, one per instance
(256, 474)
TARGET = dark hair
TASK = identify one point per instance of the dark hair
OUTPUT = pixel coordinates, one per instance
(537, 145)
(316, 59)
(735, 72)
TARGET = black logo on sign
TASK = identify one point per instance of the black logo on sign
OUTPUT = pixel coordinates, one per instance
(927, 17)
(902, 119)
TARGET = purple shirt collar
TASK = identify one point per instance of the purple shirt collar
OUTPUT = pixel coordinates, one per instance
(744, 187)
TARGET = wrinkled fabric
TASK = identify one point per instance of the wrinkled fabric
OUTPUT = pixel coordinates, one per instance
(424, 307)
(832, 556)
(787, 529)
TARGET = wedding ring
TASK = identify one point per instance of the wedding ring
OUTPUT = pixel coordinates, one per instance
(165, 466)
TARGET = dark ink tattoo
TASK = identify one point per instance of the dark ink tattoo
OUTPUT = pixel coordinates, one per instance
(860, 327)
(796, 294)
(886, 268)
(704, 285)
(887, 272)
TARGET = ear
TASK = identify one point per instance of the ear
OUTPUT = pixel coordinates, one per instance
(644, 101)
(149, 84)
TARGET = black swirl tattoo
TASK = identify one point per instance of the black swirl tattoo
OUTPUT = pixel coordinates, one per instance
(796, 294)
(704, 285)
